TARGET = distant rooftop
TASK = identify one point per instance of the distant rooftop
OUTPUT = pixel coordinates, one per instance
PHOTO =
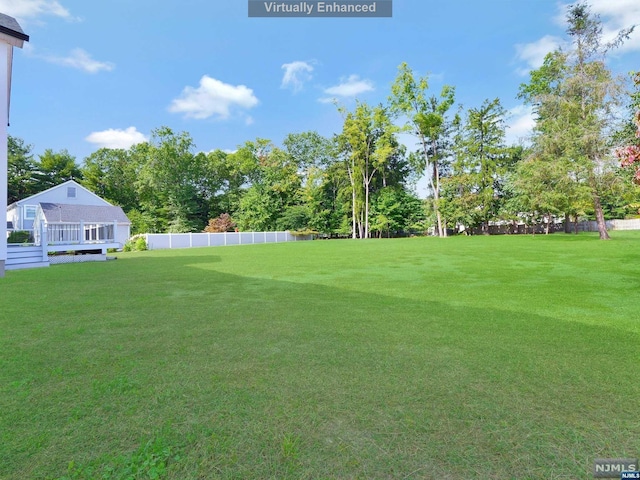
(9, 26)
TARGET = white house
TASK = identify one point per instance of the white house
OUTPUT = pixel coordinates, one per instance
(72, 214)
(11, 35)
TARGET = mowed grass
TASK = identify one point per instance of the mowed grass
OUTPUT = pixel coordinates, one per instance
(511, 357)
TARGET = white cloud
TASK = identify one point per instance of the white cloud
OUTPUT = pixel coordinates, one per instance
(228, 151)
(116, 138)
(520, 123)
(31, 9)
(296, 74)
(212, 97)
(617, 15)
(533, 53)
(80, 59)
(623, 12)
(351, 86)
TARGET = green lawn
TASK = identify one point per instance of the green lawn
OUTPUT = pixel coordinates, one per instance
(469, 357)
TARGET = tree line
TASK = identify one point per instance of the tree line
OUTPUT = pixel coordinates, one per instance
(361, 181)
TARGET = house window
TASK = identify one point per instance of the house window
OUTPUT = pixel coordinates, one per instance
(30, 212)
(71, 192)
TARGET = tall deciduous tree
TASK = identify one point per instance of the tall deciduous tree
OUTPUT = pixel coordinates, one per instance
(309, 151)
(274, 184)
(574, 96)
(368, 142)
(314, 155)
(170, 181)
(394, 209)
(333, 201)
(112, 174)
(543, 190)
(426, 119)
(228, 176)
(21, 170)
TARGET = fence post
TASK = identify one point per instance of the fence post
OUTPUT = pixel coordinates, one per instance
(81, 232)
(44, 241)
(115, 230)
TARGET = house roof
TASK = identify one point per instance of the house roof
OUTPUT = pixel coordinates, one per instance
(64, 213)
(9, 26)
(12, 35)
(62, 185)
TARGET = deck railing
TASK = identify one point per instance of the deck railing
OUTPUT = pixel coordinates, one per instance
(76, 233)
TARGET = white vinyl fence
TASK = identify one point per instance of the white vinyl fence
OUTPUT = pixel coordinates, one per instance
(158, 241)
(592, 226)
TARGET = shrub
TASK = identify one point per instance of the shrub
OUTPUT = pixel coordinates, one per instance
(141, 244)
(223, 223)
(137, 243)
(19, 236)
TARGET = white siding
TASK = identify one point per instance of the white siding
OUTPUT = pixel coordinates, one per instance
(12, 216)
(5, 87)
(122, 234)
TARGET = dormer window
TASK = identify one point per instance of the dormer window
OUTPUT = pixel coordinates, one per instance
(71, 192)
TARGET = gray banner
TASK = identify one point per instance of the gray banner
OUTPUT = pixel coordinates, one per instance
(613, 467)
(339, 8)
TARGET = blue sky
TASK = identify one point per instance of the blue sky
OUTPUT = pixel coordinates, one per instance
(106, 73)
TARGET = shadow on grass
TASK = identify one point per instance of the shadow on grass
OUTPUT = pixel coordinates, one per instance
(243, 377)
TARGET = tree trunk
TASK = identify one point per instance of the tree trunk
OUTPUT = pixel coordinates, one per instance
(567, 223)
(366, 210)
(602, 226)
(436, 197)
(353, 202)
(353, 213)
(575, 224)
(441, 232)
(546, 230)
